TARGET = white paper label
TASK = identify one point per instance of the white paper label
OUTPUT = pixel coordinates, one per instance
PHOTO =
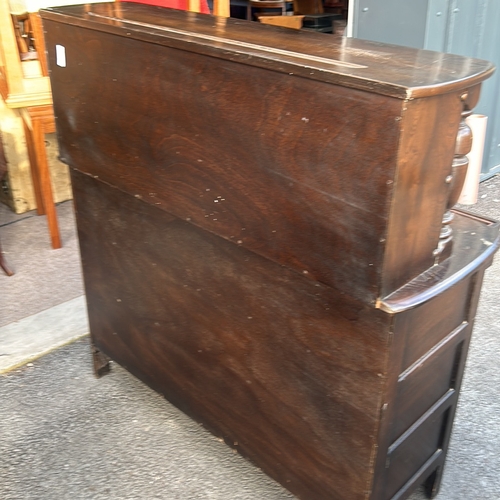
(61, 56)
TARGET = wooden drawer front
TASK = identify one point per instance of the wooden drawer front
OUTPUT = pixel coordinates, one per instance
(427, 380)
(426, 325)
(408, 456)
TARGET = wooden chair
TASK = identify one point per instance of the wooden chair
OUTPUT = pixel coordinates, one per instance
(38, 121)
(17, 89)
(31, 95)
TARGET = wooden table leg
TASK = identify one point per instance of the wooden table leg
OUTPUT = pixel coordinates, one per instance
(46, 189)
(3, 264)
(39, 120)
(35, 176)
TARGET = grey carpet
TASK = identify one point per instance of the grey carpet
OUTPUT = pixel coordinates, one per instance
(488, 202)
(66, 435)
(43, 277)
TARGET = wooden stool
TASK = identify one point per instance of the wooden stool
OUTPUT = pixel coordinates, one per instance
(38, 121)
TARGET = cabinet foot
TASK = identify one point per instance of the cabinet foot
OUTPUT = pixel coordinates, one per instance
(101, 362)
(433, 483)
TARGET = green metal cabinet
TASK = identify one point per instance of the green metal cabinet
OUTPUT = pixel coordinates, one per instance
(465, 27)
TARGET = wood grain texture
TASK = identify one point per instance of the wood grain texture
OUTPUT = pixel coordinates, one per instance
(257, 236)
(264, 357)
(429, 130)
(292, 373)
(236, 152)
(264, 158)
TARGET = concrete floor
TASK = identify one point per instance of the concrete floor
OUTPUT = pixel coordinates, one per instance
(66, 435)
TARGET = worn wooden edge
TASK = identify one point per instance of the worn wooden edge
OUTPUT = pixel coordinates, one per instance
(429, 91)
(401, 300)
(260, 57)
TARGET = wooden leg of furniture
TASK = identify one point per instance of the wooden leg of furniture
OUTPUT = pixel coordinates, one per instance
(43, 170)
(101, 362)
(35, 177)
(40, 120)
(433, 482)
(4, 265)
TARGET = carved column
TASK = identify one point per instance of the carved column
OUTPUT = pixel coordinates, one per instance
(455, 180)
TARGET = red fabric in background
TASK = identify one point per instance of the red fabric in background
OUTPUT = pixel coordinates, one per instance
(173, 4)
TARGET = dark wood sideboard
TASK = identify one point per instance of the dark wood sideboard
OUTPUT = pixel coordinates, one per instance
(266, 234)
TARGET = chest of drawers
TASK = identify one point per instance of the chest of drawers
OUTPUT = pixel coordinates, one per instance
(260, 214)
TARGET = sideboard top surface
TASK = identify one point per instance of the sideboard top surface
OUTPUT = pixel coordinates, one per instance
(391, 70)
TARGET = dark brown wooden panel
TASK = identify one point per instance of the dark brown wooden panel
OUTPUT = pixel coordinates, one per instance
(236, 153)
(261, 156)
(429, 380)
(429, 130)
(263, 356)
(250, 221)
(426, 325)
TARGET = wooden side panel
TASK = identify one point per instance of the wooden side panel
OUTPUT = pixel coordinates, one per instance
(296, 170)
(288, 371)
(423, 327)
(429, 131)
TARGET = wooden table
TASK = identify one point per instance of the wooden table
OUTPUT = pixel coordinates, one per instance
(260, 214)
